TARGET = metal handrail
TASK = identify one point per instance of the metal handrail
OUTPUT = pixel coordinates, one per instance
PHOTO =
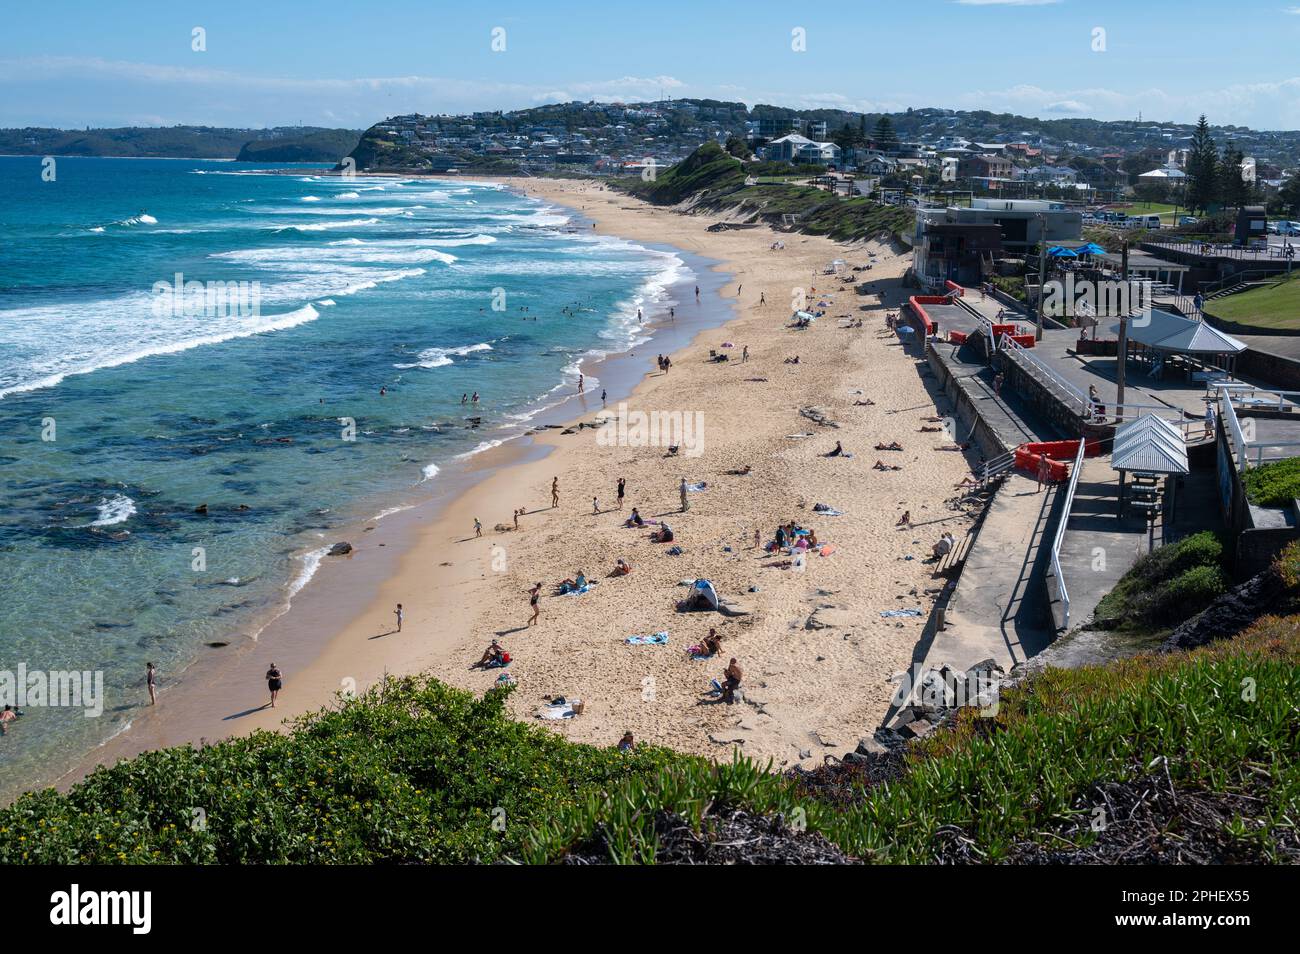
(1008, 343)
(998, 465)
(1060, 529)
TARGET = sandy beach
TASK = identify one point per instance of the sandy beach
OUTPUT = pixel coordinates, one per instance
(808, 692)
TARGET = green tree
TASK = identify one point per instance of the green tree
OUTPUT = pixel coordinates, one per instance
(884, 134)
(1288, 197)
(1202, 168)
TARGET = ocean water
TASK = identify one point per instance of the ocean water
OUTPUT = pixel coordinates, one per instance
(125, 406)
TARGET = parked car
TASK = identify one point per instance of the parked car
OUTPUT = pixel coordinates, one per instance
(1187, 220)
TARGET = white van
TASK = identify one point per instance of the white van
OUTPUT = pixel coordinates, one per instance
(1151, 221)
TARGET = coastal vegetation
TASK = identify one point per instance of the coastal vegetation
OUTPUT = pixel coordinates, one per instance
(711, 180)
(1275, 484)
(415, 771)
(296, 143)
(1167, 585)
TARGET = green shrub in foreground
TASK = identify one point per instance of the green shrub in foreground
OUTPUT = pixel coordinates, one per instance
(413, 771)
(1274, 485)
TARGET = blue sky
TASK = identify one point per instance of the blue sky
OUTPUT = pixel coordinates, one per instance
(281, 62)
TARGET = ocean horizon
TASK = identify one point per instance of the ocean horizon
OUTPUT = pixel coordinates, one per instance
(208, 369)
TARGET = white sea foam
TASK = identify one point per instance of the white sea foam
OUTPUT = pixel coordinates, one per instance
(136, 340)
(483, 446)
(311, 561)
(114, 510)
(429, 471)
(324, 226)
(440, 357)
(348, 195)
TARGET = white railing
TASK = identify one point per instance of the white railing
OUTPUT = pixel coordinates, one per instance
(1075, 471)
(1073, 394)
(998, 466)
(1251, 452)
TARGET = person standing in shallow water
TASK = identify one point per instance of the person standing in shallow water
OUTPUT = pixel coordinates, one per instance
(150, 677)
(274, 682)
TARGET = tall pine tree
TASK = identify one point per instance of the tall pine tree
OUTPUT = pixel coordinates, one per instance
(1202, 168)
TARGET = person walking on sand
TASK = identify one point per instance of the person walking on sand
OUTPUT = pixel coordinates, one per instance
(534, 598)
(744, 354)
(595, 506)
(582, 387)
(399, 614)
(685, 503)
(478, 528)
(274, 682)
(762, 298)
(150, 677)
(555, 492)
(622, 487)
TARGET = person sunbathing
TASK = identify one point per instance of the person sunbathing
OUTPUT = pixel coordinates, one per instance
(621, 568)
(928, 429)
(968, 481)
(741, 472)
(577, 583)
(794, 360)
(634, 520)
(867, 403)
(494, 655)
(905, 520)
(891, 446)
(710, 645)
(881, 465)
(663, 535)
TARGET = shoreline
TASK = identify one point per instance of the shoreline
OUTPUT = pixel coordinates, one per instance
(386, 537)
(804, 708)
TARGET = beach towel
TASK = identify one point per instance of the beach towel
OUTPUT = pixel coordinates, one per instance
(674, 551)
(827, 549)
(901, 612)
(827, 510)
(702, 485)
(580, 590)
(562, 710)
(656, 639)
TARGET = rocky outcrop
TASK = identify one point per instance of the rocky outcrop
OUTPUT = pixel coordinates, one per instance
(1232, 612)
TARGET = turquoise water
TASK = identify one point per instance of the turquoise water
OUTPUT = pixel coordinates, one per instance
(155, 408)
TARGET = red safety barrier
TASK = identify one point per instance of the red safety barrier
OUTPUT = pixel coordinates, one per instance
(1025, 341)
(1000, 330)
(1027, 456)
(954, 287)
(918, 302)
(957, 337)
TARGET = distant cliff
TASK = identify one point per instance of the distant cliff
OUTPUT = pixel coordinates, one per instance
(326, 145)
(300, 143)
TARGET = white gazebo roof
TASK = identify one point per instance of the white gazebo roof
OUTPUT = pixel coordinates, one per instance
(1169, 332)
(1149, 444)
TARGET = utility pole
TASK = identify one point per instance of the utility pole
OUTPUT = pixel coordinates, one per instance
(1121, 348)
(1042, 273)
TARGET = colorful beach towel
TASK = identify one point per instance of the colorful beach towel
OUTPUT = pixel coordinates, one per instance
(901, 612)
(655, 639)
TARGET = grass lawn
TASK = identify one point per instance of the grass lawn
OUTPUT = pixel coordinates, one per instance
(1271, 307)
(1165, 210)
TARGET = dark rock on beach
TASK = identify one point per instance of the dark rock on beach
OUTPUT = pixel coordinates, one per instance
(340, 549)
(1232, 612)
